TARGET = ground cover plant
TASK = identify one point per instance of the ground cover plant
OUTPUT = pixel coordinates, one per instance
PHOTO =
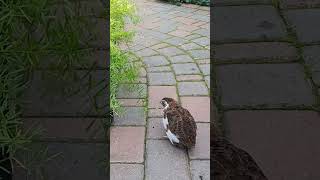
(30, 33)
(121, 69)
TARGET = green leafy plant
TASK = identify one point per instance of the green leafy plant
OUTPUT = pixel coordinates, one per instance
(121, 69)
(31, 33)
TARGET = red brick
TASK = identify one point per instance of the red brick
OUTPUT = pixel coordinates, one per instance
(156, 93)
(285, 144)
(127, 144)
(202, 147)
(199, 107)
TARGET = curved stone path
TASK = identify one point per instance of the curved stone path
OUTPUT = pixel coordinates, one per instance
(172, 44)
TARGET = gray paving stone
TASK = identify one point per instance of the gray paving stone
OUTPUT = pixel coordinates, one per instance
(172, 160)
(284, 4)
(165, 28)
(188, 68)
(200, 169)
(189, 77)
(159, 46)
(170, 51)
(192, 88)
(262, 132)
(200, 54)
(201, 17)
(175, 41)
(205, 69)
(132, 91)
(47, 95)
(159, 69)
(127, 144)
(145, 52)
(67, 128)
(240, 2)
(311, 56)
(163, 78)
(306, 24)
(155, 61)
(137, 47)
(203, 61)
(193, 36)
(158, 35)
(247, 23)
(131, 116)
(155, 113)
(268, 85)
(207, 79)
(126, 171)
(202, 32)
(202, 147)
(155, 129)
(203, 41)
(251, 52)
(79, 161)
(181, 59)
(190, 46)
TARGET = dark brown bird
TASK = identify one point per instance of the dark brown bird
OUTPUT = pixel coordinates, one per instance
(231, 162)
(181, 129)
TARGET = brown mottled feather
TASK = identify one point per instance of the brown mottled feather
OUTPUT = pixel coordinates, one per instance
(182, 124)
(231, 162)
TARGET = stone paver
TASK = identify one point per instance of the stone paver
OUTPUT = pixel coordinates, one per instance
(172, 43)
(202, 147)
(156, 93)
(188, 68)
(155, 113)
(131, 102)
(127, 144)
(247, 23)
(159, 69)
(199, 107)
(200, 169)
(299, 3)
(189, 77)
(126, 92)
(192, 88)
(146, 52)
(200, 54)
(155, 128)
(240, 2)
(63, 161)
(307, 31)
(181, 59)
(68, 128)
(260, 84)
(311, 56)
(126, 171)
(255, 52)
(165, 162)
(155, 61)
(131, 116)
(164, 78)
(205, 69)
(292, 136)
(265, 55)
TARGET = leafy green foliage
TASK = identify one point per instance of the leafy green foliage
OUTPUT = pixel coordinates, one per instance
(121, 69)
(31, 32)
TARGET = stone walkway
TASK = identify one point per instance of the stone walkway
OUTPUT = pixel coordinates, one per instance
(172, 43)
(266, 65)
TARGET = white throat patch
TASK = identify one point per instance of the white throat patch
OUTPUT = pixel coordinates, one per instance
(166, 106)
